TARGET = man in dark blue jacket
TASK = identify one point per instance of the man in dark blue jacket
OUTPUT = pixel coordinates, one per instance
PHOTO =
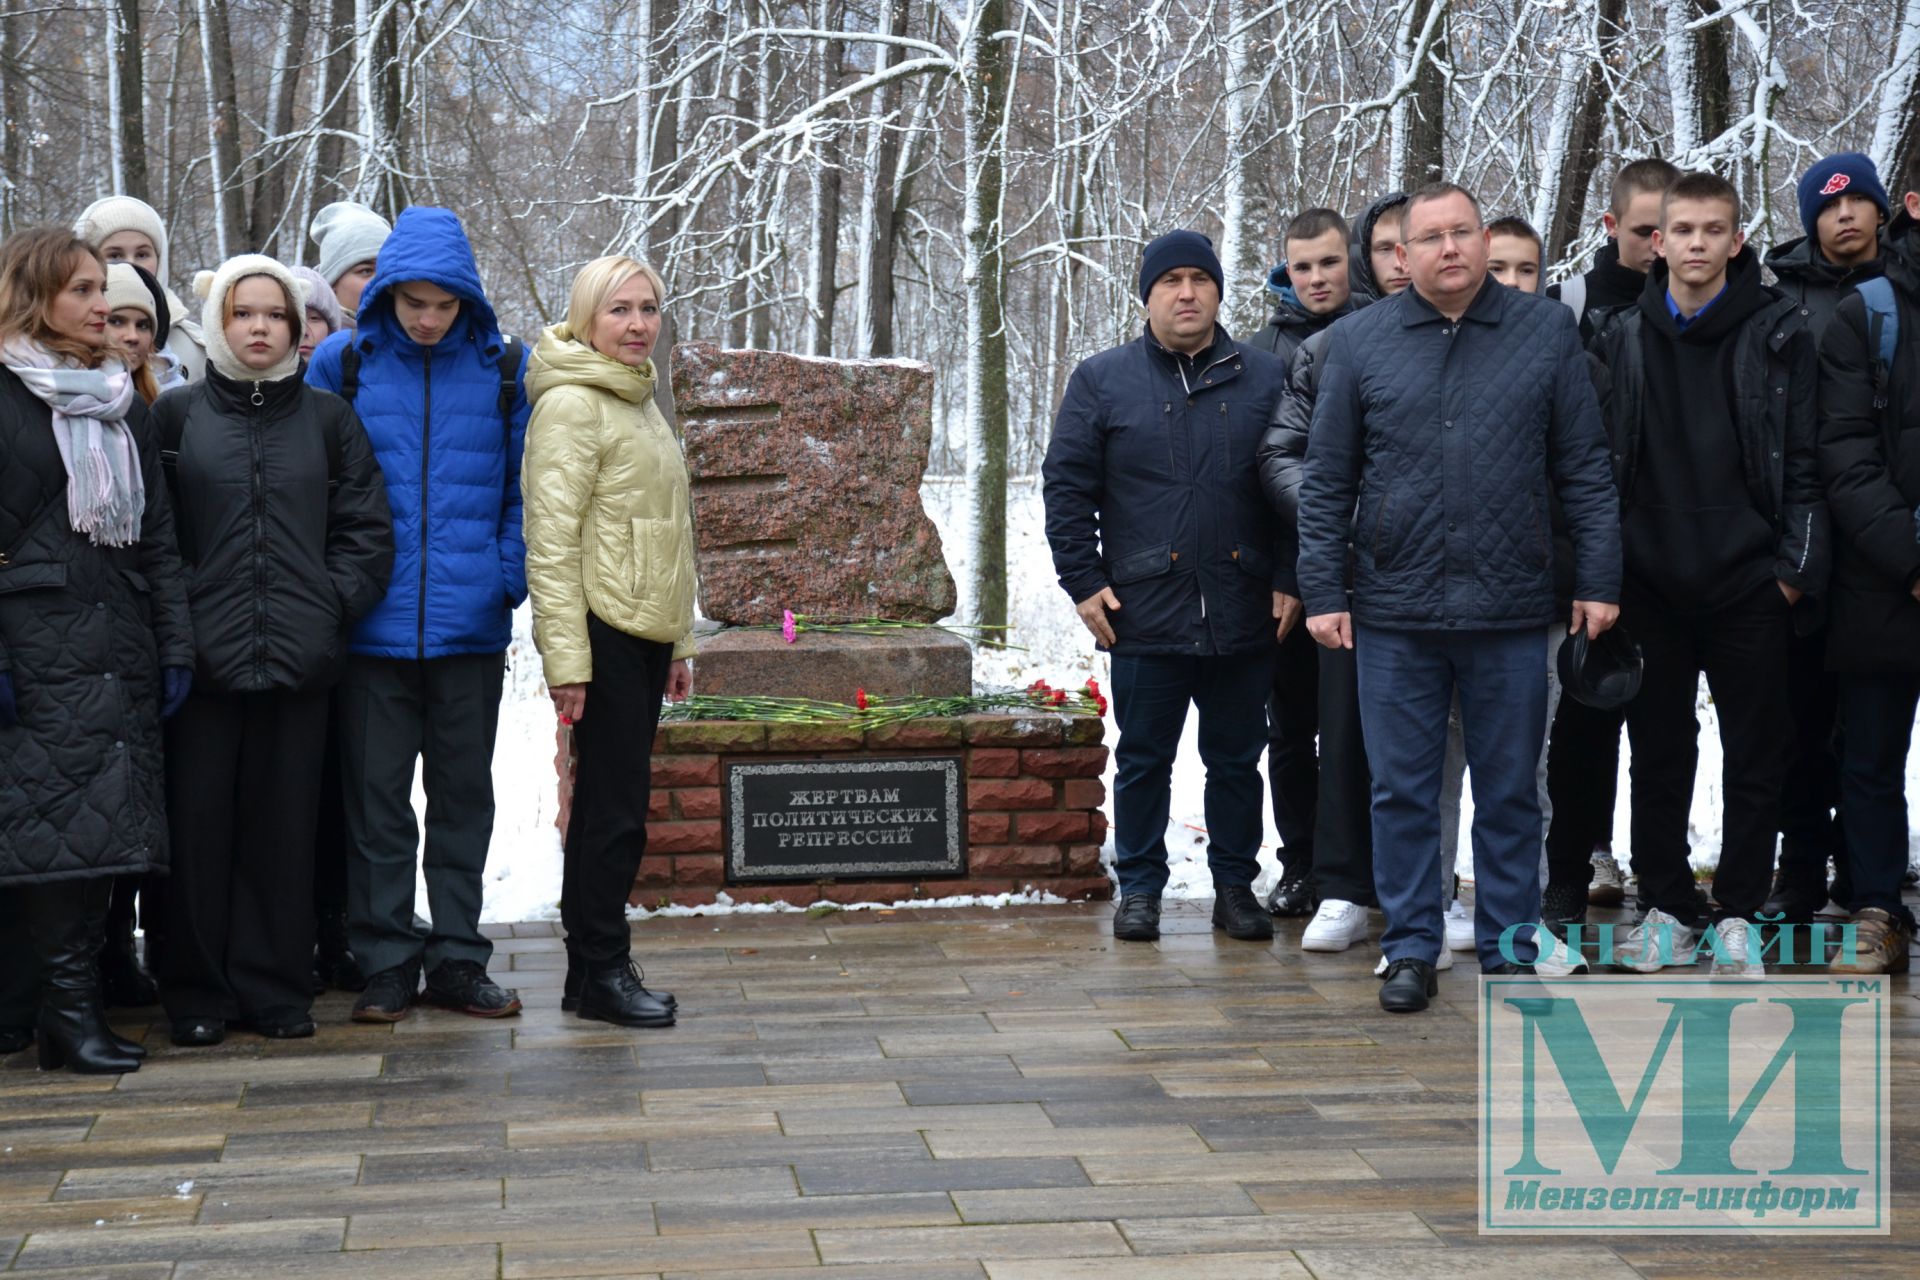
(427, 369)
(1444, 414)
(1166, 546)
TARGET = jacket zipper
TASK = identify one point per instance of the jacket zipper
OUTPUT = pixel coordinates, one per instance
(259, 535)
(426, 450)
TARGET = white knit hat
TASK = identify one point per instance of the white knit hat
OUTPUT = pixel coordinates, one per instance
(125, 289)
(213, 287)
(348, 234)
(104, 218)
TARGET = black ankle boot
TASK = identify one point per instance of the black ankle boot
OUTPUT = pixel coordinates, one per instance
(576, 974)
(334, 964)
(612, 993)
(68, 922)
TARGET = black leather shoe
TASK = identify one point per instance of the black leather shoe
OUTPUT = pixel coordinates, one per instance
(198, 1033)
(464, 987)
(334, 964)
(14, 1039)
(576, 974)
(1138, 919)
(1240, 914)
(1293, 897)
(283, 1023)
(389, 995)
(1795, 897)
(612, 993)
(1408, 986)
(1509, 967)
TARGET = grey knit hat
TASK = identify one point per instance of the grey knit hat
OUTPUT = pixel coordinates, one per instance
(348, 234)
(320, 297)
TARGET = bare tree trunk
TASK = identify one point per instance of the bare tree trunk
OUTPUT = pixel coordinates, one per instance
(1582, 152)
(333, 106)
(270, 167)
(1715, 75)
(126, 98)
(873, 303)
(1238, 248)
(986, 316)
(824, 252)
(382, 184)
(1421, 117)
(13, 102)
(1896, 129)
(223, 129)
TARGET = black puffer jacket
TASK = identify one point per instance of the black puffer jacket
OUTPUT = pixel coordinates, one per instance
(1290, 324)
(1608, 286)
(1813, 282)
(1772, 383)
(1870, 463)
(84, 631)
(1150, 488)
(283, 525)
(1435, 446)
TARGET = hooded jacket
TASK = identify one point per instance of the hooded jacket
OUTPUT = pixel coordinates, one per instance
(1366, 285)
(84, 632)
(1608, 286)
(1150, 488)
(1291, 324)
(451, 462)
(282, 521)
(1683, 546)
(1869, 448)
(1437, 448)
(609, 520)
(1805, 275)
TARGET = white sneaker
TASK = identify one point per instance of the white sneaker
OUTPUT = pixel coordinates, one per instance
(1655, 943)
(1459, 922)
(1444, 963)
(1608, 888)
(1335, 926)
(1739, 954)
(1555, 959)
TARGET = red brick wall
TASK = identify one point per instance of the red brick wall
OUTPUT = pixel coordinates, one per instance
(1034, 796)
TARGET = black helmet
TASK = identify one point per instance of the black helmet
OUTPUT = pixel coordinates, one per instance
(1603, 673)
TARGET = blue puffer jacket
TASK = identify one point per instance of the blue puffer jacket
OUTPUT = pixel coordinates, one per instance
(452, 466)
(1151, 489)
(1437, 447)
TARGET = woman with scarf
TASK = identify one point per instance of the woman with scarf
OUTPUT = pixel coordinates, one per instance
(284, 528)
(609, 532)
(95, 647)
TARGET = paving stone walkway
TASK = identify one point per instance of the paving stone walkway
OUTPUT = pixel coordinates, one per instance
(914, 1095)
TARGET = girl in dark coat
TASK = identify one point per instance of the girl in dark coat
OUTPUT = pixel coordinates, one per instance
(95, 646)
(285, 532)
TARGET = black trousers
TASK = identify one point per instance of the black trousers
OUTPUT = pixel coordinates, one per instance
(613, 774)
(440, 714)
(1343, 810)
(1293, 760)
(1810, 799)
(1583, 768)
(1742, 649)
(243, 780)
(330, 829)
(19, 963)
(1876, 717)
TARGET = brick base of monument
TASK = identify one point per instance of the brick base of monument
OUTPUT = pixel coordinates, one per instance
(1033, 806)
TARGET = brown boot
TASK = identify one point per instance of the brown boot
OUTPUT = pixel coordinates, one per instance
(1881, 941)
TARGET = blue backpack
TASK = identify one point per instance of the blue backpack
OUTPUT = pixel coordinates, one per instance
(1883, 332)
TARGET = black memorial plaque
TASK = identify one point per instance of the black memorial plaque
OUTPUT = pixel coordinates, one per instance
(848, 819)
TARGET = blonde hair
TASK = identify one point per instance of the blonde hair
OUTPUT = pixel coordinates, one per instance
(35, 265)
(597, 282)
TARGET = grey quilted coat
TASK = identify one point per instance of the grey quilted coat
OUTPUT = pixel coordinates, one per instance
(1433, 445)
(84, 631)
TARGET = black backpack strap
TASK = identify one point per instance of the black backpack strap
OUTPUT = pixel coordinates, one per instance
(509, 384)
(349, 372)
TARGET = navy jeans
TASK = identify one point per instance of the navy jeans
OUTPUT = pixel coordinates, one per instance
(1876, 725)
(1408, 680)
(1150, 697)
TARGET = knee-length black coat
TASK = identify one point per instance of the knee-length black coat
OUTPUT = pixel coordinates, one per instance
(84, 631)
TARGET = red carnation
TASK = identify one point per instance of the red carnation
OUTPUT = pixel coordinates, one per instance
(860, 699)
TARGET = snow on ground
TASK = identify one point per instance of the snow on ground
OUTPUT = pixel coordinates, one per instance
(523, 871)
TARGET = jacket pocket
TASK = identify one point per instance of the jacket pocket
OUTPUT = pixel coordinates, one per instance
(662, 581)
(26, 577)
(1379, 539)
(1148, 563)
(1254, 561)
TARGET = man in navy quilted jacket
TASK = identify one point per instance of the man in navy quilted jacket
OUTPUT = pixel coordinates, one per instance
(1167, 547)
(1445, 413)
(428, 371)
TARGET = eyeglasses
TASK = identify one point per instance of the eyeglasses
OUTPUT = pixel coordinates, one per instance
(1434, 239)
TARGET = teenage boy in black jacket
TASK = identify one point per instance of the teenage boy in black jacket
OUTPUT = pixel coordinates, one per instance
(1709, 403)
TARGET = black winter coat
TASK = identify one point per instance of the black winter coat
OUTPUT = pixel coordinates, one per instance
(84, 631)
(1870, 463)
(1815, 284)
(1290, 324)
(1774, 384)
(1150, 488)
(1436, 446)
(283, 523)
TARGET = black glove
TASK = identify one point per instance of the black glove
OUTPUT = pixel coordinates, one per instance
(175, 684)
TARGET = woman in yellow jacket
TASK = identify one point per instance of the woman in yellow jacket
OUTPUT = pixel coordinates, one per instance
(609, 533)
